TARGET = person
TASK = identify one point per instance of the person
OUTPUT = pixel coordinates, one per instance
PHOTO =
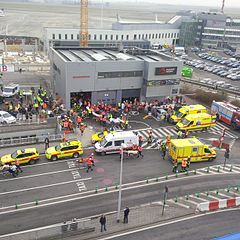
(150, 137)
(19, 169)
(184, 165)
(103, 223)
(91, 158)
(164, 152)
(140, 140)
(46, 141)
(13, 170)
(188, 163)
(126, 213)
(140, 151)
(175, 166)
(89, 165)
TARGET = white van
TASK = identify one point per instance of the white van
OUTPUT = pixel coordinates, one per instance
(10, 90)
(112, 143)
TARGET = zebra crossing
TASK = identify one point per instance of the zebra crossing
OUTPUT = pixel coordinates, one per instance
(192, 200)
(163, 132)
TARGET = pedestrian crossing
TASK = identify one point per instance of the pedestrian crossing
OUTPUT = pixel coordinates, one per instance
(163, 132)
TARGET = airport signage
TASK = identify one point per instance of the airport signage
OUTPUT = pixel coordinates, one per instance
(166, 71)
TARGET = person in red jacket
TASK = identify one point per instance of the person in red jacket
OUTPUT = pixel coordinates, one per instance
(140, 151)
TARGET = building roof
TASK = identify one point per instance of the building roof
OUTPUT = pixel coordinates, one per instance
(102, 54)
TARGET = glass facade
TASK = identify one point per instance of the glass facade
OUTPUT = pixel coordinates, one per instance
(120, 74)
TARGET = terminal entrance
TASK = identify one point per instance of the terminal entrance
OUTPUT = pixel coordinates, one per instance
(80, 97)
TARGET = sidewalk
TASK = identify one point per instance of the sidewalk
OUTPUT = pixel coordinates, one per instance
(139, 216)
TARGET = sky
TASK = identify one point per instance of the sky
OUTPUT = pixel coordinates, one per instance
(213, 3)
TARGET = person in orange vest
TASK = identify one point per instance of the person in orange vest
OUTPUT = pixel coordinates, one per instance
(184, 165)
(89, 165)
(91, 158)
(140, 151)
(19, 169)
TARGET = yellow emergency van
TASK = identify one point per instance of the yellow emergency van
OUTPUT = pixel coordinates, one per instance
(195, 122)
(182, 149)
(186, 110)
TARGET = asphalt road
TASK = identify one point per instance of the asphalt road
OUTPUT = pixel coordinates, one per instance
(205, 227)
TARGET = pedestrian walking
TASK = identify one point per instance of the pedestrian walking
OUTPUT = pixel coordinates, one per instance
(91, 158)
(175, 167)
(140, 140)
(46, 141)
(150, 137)
(89, 165)
(126, 213)
(188, 163)
(164, 152)
(13, 170)
(139, 149)
(103, 222)
(184, 165)
(19, 169)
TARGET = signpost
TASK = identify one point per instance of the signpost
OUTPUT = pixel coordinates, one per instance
(165, 199)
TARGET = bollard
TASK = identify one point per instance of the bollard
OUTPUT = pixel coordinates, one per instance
(237, 188)
(106, 189)
(157, 179)
(231, 168)
(166, 178)
(217, 192)
(96, 189)
(195, 172)
(228, 188)
(16, 206)
(186, 173)
(36, 202)
(187, 196)
(176, 199)
(147, 180)
(207, 193)
(197, 195)
(218, 169)
(176, 175)
(208, 169)
(116, 186)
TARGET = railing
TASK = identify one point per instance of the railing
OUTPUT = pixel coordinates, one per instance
(15, 141)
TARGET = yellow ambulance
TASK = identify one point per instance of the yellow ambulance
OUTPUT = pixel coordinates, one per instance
(195, 122)
(186, 110)
(182, 149)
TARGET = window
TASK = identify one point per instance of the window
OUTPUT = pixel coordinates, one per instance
(146, 36)
(159, 35)
(165, 35)
(89, 36)
(53, 36)
(139, 36)
(149, 36)
(194, 149)
(116, 37)
(100, 37)
(127, 37)
(95, 36)
(65, 36)
(156, 36)
(142, 36)
(135, 36)
(175, 34)
(122, 37)
(118, 143)
(109, 144)
(120, 74)
(171, 35)
(206, 150)
(77, 36)
(106, 37)
(111, 37)
(162, 35)
(72, 36)
(174, 91)
(59, 36)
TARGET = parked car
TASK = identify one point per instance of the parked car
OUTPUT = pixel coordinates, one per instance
(6, 118)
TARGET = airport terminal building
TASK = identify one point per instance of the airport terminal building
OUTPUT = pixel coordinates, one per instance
(111, 76)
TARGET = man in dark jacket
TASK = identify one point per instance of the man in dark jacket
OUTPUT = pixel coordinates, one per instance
(126, 213)
(103, 223)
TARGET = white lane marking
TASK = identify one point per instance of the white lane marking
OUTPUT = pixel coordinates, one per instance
(198, 198)
(213, 196)
(178, 203)
(190, 201)
(43, 186)
(167, 223)
(36, 175)
(223, 195)
(71, 164)
(81, 186)
(76, 174)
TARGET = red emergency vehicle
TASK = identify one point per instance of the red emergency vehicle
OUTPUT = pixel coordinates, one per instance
(227, 113)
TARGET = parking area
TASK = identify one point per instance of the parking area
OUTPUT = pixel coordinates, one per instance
(215, 68)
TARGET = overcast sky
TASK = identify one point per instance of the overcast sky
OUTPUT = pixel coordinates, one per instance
(213, 3)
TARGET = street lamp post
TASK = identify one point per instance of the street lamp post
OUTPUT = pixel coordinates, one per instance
(120, 186)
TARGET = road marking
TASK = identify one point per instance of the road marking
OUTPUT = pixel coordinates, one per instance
(214, 197)
(198, 198)
(71, 164)
(81, 186)
(76, 174)
(190, 201)
(36, 175)
(178, 203)
(167, 223)
(43, 186)
(223, 195)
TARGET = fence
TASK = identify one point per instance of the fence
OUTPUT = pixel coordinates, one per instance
(14, 141)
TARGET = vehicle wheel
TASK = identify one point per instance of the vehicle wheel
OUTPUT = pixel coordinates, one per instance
(31, 162)
(210, 159)
(54, 158)
(103, 153)
(75, 155)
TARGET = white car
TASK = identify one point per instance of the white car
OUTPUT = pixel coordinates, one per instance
(6, 118)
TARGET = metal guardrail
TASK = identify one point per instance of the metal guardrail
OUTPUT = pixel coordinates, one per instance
(196, 82)
(17, 141)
